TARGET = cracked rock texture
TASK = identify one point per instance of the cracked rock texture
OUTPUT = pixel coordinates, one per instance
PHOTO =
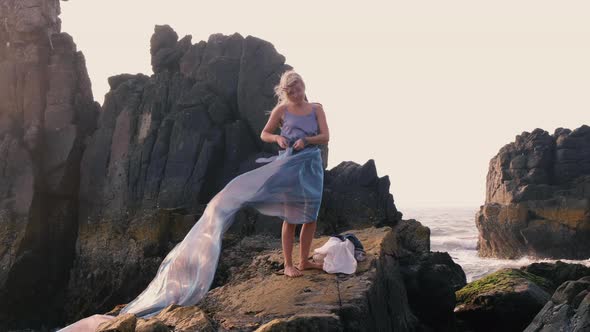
(46, 113)
(568, 309)
(538, 197)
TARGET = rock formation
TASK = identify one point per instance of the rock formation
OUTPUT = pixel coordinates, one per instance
(380, 296)
(46, 112)
(164, 145)
(538, 197)
(557, 273)
(508, 300)
(372, 299)
(568, 309)
(93, 199)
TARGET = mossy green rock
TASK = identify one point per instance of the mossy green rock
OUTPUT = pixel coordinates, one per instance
(506, 300)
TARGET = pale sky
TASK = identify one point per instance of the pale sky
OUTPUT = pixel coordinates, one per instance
(431, 90)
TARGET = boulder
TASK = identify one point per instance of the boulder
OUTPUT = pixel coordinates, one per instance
(538, 198)
(568, 309)
(431, 280)
(506, 300)
(559, 272)
(355, 195)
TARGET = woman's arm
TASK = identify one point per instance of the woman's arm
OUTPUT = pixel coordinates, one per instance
(271, 125)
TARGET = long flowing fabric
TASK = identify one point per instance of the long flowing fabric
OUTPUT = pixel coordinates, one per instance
(289, 187)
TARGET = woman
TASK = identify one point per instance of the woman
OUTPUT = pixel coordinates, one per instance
(289, 187)
(303, 125)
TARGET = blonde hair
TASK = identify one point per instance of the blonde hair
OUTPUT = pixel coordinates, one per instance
(289, 78)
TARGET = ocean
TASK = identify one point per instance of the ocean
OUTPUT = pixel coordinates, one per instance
(453, 230)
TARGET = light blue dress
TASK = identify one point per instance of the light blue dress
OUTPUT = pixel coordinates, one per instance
(289, 186)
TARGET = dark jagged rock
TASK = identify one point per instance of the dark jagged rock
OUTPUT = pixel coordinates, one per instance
(431, 280)
(538, 197)
(354, 194)
(506, 300)
(412, 238)
(568, 309)
(46, 112)
(559, 272)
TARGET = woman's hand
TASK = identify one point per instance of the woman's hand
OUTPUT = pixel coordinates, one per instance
(282, 141)
(299, 144)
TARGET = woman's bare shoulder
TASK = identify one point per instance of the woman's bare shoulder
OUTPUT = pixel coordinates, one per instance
(278, 110)
(318, 106)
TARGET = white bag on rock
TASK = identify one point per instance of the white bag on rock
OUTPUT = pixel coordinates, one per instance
(337, 255)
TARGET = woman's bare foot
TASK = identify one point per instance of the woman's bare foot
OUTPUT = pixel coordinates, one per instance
(306, 265)
(291, 271)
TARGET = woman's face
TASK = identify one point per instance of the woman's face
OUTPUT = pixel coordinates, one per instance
(296, 92)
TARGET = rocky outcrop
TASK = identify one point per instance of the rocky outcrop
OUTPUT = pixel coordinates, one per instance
(257, 293)
(538, 197)
(568, 309)
(506, 300)
(389, 291)
(167, 143)
(431, 280)
(46, 113)
(256, 296)
(92, 200)
(355, 190)
(557, 273)
(509, 299)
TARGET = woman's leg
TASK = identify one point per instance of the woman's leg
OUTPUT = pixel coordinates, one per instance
(288, 234)
(305, 238)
